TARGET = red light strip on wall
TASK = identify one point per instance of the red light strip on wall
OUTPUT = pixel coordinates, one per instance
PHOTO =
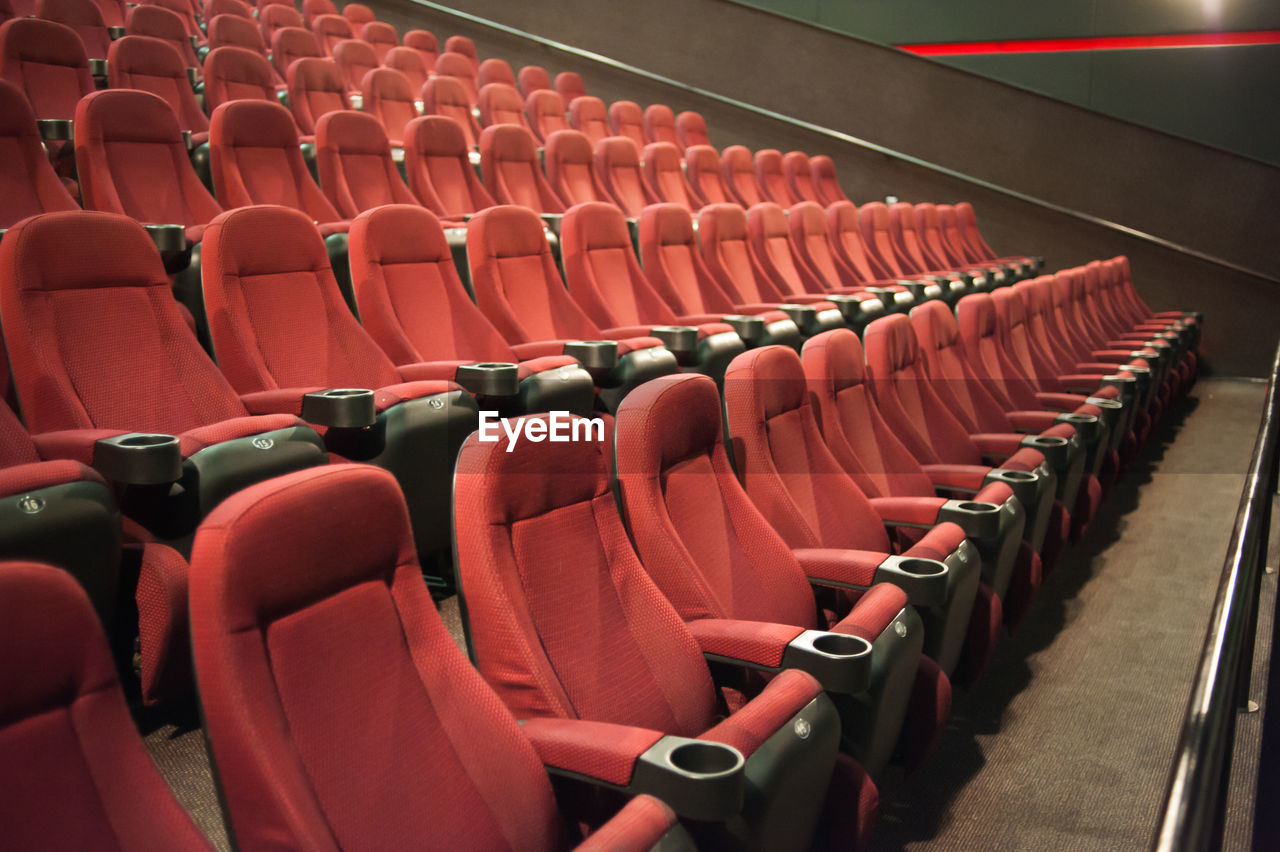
(1059, 45)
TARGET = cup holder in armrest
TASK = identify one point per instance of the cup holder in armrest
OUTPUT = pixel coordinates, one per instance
(356, 101)
(98, 67)
(116, 32)
(139, 458)
(1024, 484)
(840, 662)
(57, 129)
(1104, 403)
(342, 408)
(489, 378)
(804, 316)
(855, 310)
(193, 76)
(188, 140)
(1087, 425)
(978, 520)
(169, 239)
(1054, 449)
(552, 221)
(597, 356)
(750, 329)
(924, 580)
(698, 779)
(680, 339)
(893, 300)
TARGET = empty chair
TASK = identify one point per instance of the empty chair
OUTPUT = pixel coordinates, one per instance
(938, 253)
(459, 67)
(316, 87)
(660, 125)
(822, 169)
(358, 14)
(914, 259)
(388, 96)
(184, 10)
(362, 790)
(878, 242)
(692, 129)
(31, 185)
(587, 115)
(46, 61)
(509, 167)
(382, 37)
(436, 159)
(162, 24)
(329, 30)
(447, 96)
(288, 45)
(519, 289)
(312, 9)
(79, 773)
(799, 175)
(541, 526)
(626, 119)
(239, 8)
(495, 71)
(500, 103)
(849, 246)
(256, 160)
(354, 59)
(408, 62)
(570, 87)
(234, 31)
(276, 17)
(354, 161)
(979, 251)
(533, 78)
(423, 42)
(702, 172)
(138, 62)
(810, 237)
(545, 111)
(665, 176)
(738, 171)
(132, 159)
(84, 17)
(463, 46)
(618, 165)
(605, 279)
(769, 174)
(113, 12)
(233, 73)
(570, 167)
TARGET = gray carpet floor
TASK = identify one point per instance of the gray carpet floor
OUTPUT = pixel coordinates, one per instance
(1066, 741)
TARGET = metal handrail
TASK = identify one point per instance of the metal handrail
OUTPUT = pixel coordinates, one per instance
(1195, 797)
(847, 138)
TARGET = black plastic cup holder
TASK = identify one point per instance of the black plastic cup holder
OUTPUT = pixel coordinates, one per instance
(841, 663)
(340, 408)
(193, 76)
(680, 339)
(98, 67)
(921, 567)
(804, 316)
(698, 779)
(139, 458)
(597, 356)
(1015, 475)
(924, 580)
(856, 310)
(841, 645)
(489, 378)
(552, 221)
(116, 32)
(56, 129)
(169, 239)
(981, 508)
(750, 329)
(1045, 441)
(977, 519)
(701, 758)
(1104, 403)
(188, 139)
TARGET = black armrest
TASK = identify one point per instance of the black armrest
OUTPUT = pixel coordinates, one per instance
(139, 458)
(489, 378)
(343, 408)
(924, 580)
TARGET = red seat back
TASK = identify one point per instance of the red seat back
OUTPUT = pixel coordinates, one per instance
(672, 263)
(702, 169)
(382, 37)
(447, 96)
(424, 43)
(84, 17)
(353, 158)
(626, 119)
(570, 87)
(739, 175)
(354, 59)
(460, 68)
(660, 125)
(316, 86)
(290, 44)
(358, 14)
(312, 9)
(771, 245)
(162, 24)
(692, 129)
(440, 173)
(408, 62)
(501, 103)
(665, 176)
(509, 167)
(587, 115)
(233, 73)
(275, 17)
(534, 78)
(495, 71)
(726, 249)
(618, 165)
(139, 62)
(388, 97)
(546, 114)
(30, 184)
(571, 170)
(773, 183)
(799, 175)
(329, 30)
(46, 61)
(823, 171)
(849, 246)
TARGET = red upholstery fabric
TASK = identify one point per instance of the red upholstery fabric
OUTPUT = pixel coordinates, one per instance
(316, 86)
(811, 242)
(626, 119)
(665, 175)
(77, 773)
(850, 247)
(534, 78)
(500, 103)
(747, 729)
(132, 159)
(138, 62)
(595, 749)
(495, 71)
(408, 62)
(726, 250)
(256, 159)
(660, 125)
(329, 30)
(358, 13)
(738, 171)
(799, 175)
(570, 87)
(84, 17)
(570, 167)
(588, 116)
(877, 236)
(823, 171)
(47, 62)
(276, 17)
(618, 166)
(440, 175)
(424, 43)
(702, 170)
(692, 129)
(113, 12)
(771, 233)
(509, 167)
(289, 44)
(546, 114)
(759, 643)
(414, 750)
(355, 165)
(312, 9)
(382, 37)
(234, 31)
(769, 174)
(160, 23)
(31, 185)
(465, 47)
(461, 68)
(233, 73)
(354, 59)
(388, 97)
(184, 10)
(447, 96)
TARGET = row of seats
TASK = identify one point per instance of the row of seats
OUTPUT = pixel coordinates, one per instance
(786, 553)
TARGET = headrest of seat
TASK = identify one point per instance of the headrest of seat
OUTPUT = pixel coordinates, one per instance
(404, 57)
(935, 326)
(145, 55)
(509, 143)
(568, 146)
(80, 250)
(53, 648)
(379, 32)
(769, 160)
(890, 344)
(496, 70)
(976, 316)
(1060, 288)
(701, 158)
(315, 73)
(587, 107)
(807, 217)
(239, 65)
(666, 224)
(69, 12)
(126, 115)
(1009, 308)
(461, 45)
(717, 222)
(253, 124)
(843, 215)
(266, 239)
(833, 361)
(625, 112)
(352, 132)
(453, 64)
(421, 40)
(738, 158)
(617, 152)
(765, 220)
(400, 233)
(496, 487)
(296, 540)
(507, 231)
(594, 225)
(436, 135)
(445, 91)
(331, 25)
(45, 42)
(668, 420)
(663, 155)
(797, 163)
(928, 214)
(353, 51)
(772, 376)
(233, 29)
(876, 213)
(387, 84)
(903, 215)
(501, 96)
(294, 41)
(544, 102)
(156, 21)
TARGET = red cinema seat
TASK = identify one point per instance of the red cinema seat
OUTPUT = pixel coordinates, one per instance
(382, 37)
(113, 12)
(460, 68)
(509, 167)
(276, 17)
(234, 31)
(184, 10)
(546, 114)
(423, 42)
(738, 171)
(500, 103)
(979, 251)
(31, 185)
(702, 171)
(139, 62)
(162, 24)
(627, 119)
(288, 45)
(588, 116)
(874, 224)
(916, 260)
(772, 180)
(665, 176)
(823, 171)
(312, 9)
(388, 96)
(495, 71)
(233, 74)
(353, 158)
(214, 8)
(811, 242)
(84, 17)
(437, 160)
(354, 59)
(447, 96)
(408, 62)
(692, 129)
(297, 771)
(358, 14)
(463, 46)
(316, 86)
(570, 166)
(618, 166)
(799, 175)
(533, 78)
(570, 86)
(329, 30)
(46, 61)
(660, 125)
